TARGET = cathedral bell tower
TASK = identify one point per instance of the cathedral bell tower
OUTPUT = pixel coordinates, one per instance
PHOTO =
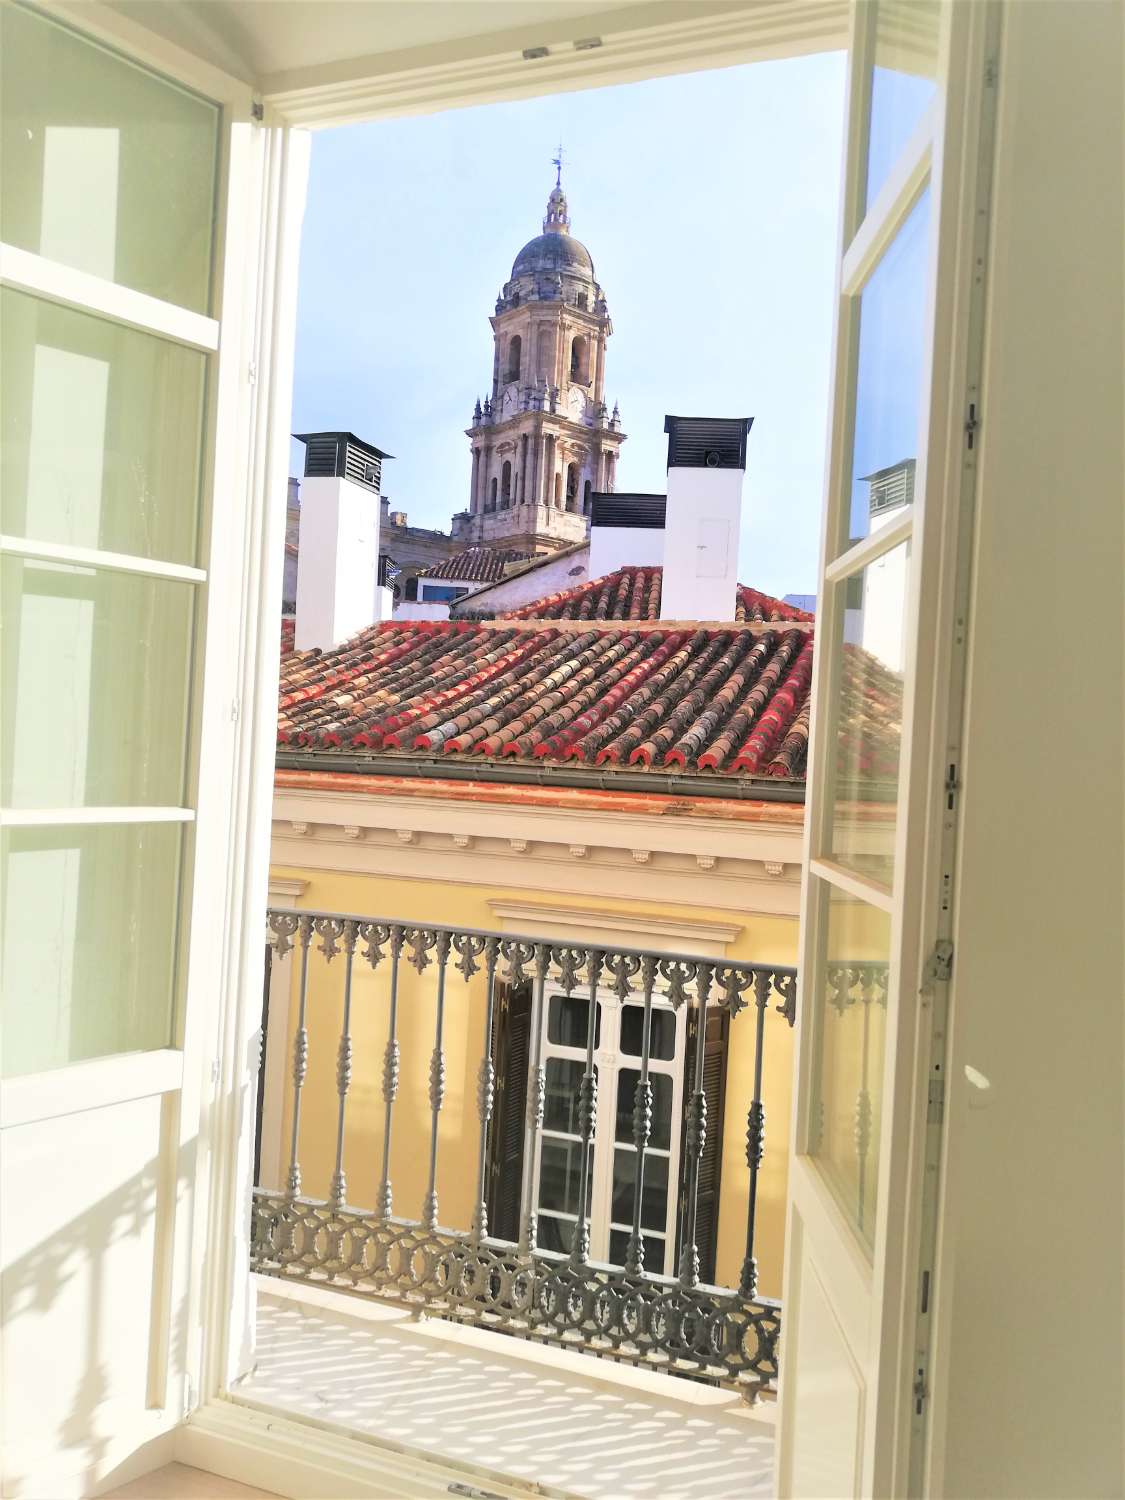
(544, 440)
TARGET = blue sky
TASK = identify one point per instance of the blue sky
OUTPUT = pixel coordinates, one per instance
(709, 203)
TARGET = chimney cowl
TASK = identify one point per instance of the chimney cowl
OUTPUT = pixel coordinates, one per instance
(707, 442)
(342, 455)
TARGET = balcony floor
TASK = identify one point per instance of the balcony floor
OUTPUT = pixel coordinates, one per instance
(499, 1408)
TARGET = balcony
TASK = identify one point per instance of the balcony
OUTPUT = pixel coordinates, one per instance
(555, 1107)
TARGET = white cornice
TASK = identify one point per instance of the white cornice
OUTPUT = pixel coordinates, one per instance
(682, 935)
(590, 855)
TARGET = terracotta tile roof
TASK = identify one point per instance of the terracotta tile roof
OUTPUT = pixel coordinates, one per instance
(476, 564)
(634, 594)
(729, 701)
(288, 631)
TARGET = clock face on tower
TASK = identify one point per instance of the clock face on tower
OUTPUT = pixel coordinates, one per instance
(509, 401)
(576, 404)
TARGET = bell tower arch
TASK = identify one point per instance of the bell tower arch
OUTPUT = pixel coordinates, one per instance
(543, 438)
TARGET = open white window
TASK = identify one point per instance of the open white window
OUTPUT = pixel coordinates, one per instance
(879, 802)
(133, 185)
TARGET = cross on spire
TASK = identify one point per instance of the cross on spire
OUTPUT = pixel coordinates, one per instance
(557, 163)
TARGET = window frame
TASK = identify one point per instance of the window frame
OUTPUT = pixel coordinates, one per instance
(611, 1061)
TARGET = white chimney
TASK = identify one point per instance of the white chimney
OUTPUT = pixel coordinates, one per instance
(626, 531)
(338, 571)
(706, 466)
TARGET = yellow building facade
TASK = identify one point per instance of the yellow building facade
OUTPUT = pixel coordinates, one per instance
(697, 883)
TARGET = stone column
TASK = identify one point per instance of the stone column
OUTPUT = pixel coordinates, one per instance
(599, 371)
(474, 490)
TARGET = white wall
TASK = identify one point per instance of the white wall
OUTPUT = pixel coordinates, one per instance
(339, 547)
(414, 609)
(613, 547)
(1031, 1307)
(701, 544)
(549, 578)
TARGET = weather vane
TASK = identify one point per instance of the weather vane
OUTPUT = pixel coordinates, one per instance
(557, 163)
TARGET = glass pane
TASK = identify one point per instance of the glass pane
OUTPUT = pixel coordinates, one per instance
(555, 1234)
(903, 83)
(107, 167)
(559, 1167)
(851, 1025)
(627, 1080)
(95, 686)
(654, 1194)
(560, 1105)
(568, 1016)
(662, 1037)
(656, 1248)
(892, 348)
(869, 727)
(89, 933)
(102, 432)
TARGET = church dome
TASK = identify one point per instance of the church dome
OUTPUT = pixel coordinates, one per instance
(553, 252)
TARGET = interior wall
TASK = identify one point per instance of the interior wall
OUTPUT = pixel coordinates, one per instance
(1030, 1399)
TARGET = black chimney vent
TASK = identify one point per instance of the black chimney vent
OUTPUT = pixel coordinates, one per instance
(707, 442)
(342, 455)
(642, 512)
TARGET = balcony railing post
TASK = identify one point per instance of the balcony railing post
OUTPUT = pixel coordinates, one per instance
(437, 1080)
(536, 1098)
(486, 1092)
(755, 1135)
(642, 1123)
(339, 1192)
(384, 1196)
(300, 1059)
(587, 1113)
(696, 1133)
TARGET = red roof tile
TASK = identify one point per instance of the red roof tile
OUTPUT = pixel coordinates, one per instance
(288, 632)
(730, 701)
(476, 565)
(634, 594)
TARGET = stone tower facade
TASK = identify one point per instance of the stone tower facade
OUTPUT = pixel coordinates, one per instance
(543, 440)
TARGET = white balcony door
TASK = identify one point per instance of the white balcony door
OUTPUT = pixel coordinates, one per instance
(132, 589)
(879, 817)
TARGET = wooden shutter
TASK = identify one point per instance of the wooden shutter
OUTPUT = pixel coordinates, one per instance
(711, 1163)
(511, 1052)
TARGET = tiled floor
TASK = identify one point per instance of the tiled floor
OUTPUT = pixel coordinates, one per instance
(178, 1482)
(568, 1424)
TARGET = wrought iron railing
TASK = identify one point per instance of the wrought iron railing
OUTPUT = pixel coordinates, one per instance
(727, 1335)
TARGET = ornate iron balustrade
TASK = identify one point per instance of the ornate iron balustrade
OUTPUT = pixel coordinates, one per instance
(726, 1335)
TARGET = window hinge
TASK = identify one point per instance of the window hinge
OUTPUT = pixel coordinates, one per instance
(972, 423)
(234, 710)
(940, 965)
(252, 373)
(257, 110)
(920, 1390)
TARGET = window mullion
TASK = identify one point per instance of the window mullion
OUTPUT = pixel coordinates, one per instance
(49, 279)
(94, 557)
